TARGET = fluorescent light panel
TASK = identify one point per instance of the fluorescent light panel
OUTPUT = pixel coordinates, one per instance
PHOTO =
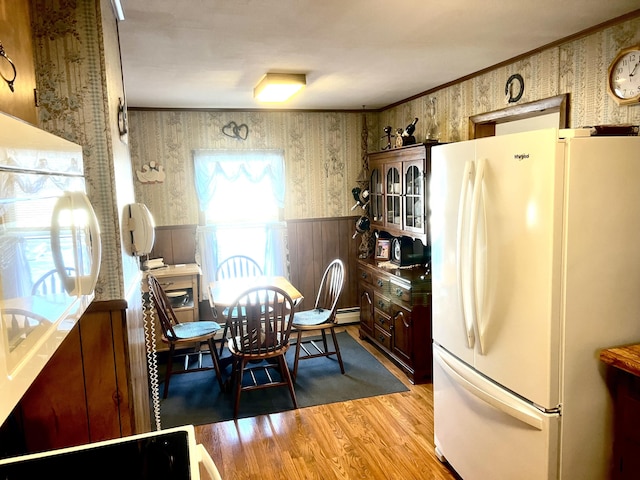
(279, 87)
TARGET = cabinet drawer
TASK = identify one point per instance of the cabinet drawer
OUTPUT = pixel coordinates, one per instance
(384, 338)
(381, 302)
(176, 283)
(365, 275)
(381, 283)
(382, 321)
(400, 291)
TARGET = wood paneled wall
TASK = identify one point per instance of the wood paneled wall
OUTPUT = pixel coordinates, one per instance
(313, 244)
(83, 394)
(175, 243)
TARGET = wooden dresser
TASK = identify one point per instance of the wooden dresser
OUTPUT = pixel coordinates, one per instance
(395, 314)
(625, 384)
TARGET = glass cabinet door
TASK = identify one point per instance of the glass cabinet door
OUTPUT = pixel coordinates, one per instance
(393, 197)
(376, 196)
(414, 197)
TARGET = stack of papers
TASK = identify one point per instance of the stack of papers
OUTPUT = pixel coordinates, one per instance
(154, 263)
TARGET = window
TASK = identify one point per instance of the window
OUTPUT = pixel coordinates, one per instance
(241, 196)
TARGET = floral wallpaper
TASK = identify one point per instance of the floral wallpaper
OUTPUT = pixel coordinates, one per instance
(322, 157)
(323, 151)
(79, 86)
(578, 67)
(78, 77)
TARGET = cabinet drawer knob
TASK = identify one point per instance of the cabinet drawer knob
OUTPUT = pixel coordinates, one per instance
(380, 283)
(399, 292)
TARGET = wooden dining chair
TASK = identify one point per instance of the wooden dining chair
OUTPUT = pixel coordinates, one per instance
(260, 321)
(320, 319)
(237, 266)
(50, 282)
(19, 324)
(187, 335)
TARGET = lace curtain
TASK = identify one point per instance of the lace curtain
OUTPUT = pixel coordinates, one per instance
(219, 171)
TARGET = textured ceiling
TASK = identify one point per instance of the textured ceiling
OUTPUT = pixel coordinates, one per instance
(355, 53)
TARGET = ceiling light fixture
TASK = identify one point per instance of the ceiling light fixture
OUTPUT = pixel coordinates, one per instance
(117, 9)
(279, 87)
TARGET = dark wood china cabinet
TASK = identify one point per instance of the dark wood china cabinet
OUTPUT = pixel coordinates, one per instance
(395, 294)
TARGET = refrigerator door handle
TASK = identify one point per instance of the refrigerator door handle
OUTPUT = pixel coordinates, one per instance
(498, 399)
(467, 182)
(473, 244)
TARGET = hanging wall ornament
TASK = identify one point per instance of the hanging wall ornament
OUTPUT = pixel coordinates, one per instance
(151, 173)
(233, 130)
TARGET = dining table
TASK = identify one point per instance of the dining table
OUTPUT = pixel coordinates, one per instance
(223, 293)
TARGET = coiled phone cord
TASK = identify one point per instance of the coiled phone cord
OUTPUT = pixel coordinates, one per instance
(152, 357)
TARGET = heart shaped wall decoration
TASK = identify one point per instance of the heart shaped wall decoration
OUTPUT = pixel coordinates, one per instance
(233, 130)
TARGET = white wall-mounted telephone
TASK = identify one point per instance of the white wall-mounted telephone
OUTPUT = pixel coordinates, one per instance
(138, 229)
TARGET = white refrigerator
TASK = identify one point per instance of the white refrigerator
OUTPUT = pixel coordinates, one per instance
(535, 269)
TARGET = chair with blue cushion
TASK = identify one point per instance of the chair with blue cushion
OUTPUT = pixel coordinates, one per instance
(237, 266)
(321, 318)
(183, 335)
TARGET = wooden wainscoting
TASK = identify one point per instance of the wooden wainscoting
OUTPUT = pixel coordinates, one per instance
(313, 244)
(175, 243)
(94, 387)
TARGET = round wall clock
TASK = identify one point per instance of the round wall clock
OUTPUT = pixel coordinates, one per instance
(623, 79)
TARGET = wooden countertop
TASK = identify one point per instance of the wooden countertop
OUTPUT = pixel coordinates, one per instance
(625, 358)
(415, 275)
(174, 270)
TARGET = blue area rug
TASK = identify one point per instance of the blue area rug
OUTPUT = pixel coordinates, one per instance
(195, 398)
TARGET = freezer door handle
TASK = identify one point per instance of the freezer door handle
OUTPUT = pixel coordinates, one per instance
(476, 202)
(498, 399)
(467, 182)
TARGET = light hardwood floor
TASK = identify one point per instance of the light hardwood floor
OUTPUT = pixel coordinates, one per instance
(384, 437)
